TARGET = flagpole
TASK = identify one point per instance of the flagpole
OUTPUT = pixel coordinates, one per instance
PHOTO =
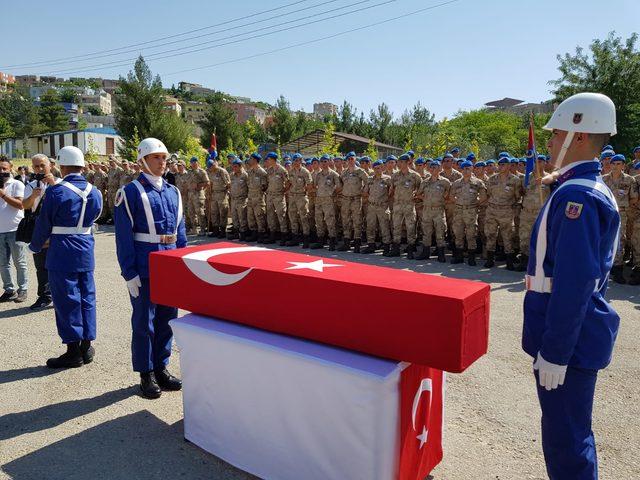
(535, 160)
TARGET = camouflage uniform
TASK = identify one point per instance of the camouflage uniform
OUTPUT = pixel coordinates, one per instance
(113, 184)
(434, 192)
(531, 206)
(503, 193)
(182, 180)
(256, 208)
(450, 206)
(405, 186)
(467, 196)
(197, 198)
(378, 214)
(277, 177)
(300, 180)
(238, 194)
(623, 188)
(219, 199)
(353, 184)
(326, 184)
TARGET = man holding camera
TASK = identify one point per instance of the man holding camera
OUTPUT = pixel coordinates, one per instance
(11, 194)
(33, 193)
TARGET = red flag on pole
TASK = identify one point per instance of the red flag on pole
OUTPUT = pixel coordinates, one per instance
(421, 420)
(213, 147)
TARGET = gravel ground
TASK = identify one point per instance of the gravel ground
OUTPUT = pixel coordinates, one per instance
(90, 423)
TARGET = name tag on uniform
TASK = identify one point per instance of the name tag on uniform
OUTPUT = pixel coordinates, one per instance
(300, 180)
(407, 183)
(328, 181)
(382, 184)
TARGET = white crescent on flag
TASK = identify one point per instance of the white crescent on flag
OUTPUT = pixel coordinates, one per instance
(425, 386)
(197, 263)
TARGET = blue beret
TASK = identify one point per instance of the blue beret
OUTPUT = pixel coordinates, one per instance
(411, 153)
(542, 157)
(338, 157)
(503, 155)
(427, 160)
(296, 156)
(420, 161)
(307, 162)
(455, 150)
(618, 158)
(466, 164)
(365, 159)
(480, 164)
(286, 157)
(257, 156)
(404, 157)
(272, 155)
(350, 154)
(392, 157)
(522, 160)
(231, 155)
(209, 162)
(503, 161)
(288, 163)
(434, 163)
(490, 162)
(213, 155)
(237, 161)
(193, 159)
(607, 154)
(637, 149)
(378, 163)
(315, 159)
(438, 159)
(471, 156)
(447, 155)
(636, 166)
(325, 158)
(607, 147)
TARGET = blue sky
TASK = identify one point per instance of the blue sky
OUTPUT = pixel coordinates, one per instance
(456, 56)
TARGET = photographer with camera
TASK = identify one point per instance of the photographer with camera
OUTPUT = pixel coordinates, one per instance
(39, 180)
(11, 194)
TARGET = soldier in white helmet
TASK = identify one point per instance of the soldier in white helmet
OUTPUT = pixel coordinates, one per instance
(569, 327)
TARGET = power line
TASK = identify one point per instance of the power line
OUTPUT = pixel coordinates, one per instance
(316, 40)
(162, 38)
(161, 56)
(173, 42)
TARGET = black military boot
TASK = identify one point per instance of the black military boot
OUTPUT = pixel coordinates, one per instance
(284, 238)
(319, 244)
(88, 352)
(370, 248)
(458, 256)
(262, 237)
(617, 275)
(332, 244)
(424, 253)
(510, 262)
(294, 241)
(251, 236)
(222, 232)
(305, 241)
(635, 276)
(149, 385)
(214, 232)
(394, 251)
(500, 253)
(440, 253)
(232, 235)
(345, 245)
(72, 358)
(472, 258)
(522, 263)
(410, 252)
(166, 381)
(271, 239)
(490, 260)
(356, 245)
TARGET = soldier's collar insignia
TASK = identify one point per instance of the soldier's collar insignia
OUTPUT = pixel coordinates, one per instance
(573, 210)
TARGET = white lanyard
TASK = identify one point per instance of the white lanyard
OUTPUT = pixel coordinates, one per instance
(78, 229)
(146, 205)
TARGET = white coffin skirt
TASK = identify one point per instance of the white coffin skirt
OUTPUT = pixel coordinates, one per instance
(283, 408)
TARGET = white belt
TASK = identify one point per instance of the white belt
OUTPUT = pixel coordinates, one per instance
(72, 230)
(538, 284)
(152, 238)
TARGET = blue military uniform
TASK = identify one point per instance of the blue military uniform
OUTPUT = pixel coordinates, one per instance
(148, 220)
(69, 210)
(566, 317)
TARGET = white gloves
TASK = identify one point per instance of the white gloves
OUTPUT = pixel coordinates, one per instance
(134, 286)
(551, 375)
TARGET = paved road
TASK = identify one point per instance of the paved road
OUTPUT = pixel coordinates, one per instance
(90, 423)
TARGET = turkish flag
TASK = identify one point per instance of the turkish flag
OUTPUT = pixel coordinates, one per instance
(421, 420)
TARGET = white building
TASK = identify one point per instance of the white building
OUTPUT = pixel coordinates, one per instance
(100, 99)
(101, 141)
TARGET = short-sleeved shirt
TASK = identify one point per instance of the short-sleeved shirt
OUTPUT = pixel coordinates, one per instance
(10, 216)
(29, 187)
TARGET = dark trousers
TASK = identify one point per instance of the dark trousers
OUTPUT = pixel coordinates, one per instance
(567, 439)
(40, 259)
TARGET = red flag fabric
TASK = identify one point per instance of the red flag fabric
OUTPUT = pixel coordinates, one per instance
(407, 316)
(213, 147)
(421, 421)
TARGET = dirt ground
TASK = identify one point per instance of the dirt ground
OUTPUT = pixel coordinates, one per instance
(90, 423)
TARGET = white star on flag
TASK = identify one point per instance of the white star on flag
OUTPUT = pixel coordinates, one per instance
(317, 265)
(423, 436)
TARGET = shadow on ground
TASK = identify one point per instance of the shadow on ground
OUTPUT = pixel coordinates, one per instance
(138, 446)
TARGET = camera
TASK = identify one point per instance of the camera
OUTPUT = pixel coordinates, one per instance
(37, 177)
(3, 178)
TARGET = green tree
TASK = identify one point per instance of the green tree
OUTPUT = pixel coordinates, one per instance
(95, 110)
(283, 128)
(171, 129)
(52, 114)
(193, 148)
(221, 120)
(381, 119)
(21, 114)
(612, 67)
(5, 129)
(371, 150)
(329, 144)
(69, 96)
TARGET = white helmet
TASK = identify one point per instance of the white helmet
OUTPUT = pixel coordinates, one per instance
(149, 146)
(70, 157)
(585, 113)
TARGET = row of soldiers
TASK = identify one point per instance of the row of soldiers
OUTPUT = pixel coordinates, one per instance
(472, 207)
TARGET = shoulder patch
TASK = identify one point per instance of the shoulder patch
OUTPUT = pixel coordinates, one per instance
(573, 210)
(119, 197)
